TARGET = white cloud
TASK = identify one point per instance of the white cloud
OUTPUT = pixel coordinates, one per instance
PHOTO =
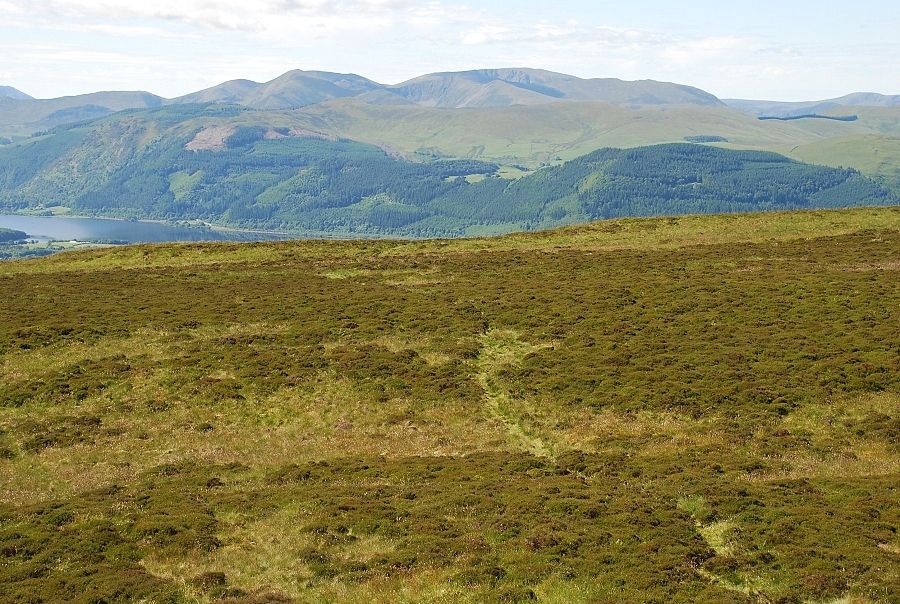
(565, 35)
(691, 51)
(229, 15)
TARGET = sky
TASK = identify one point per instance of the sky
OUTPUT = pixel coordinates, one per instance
(763, 49)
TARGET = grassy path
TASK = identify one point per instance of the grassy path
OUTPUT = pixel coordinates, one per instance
(500, 348)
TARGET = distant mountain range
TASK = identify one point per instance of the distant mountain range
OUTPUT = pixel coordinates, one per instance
(453, 90)
(25, 116)
(22, 115)
(292, 90)
(788, 109)
(506, 87)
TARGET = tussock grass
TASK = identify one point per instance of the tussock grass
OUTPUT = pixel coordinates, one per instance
(701, 409)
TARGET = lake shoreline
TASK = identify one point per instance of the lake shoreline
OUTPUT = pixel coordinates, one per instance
(201, 225)
(177, 223)
(69, 227)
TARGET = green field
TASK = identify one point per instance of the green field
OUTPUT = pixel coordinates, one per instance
(694, 409)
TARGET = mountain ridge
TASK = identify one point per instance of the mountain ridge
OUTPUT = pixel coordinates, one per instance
(795, 108)
(14, 93)
(452, 89)
(22, 116)
(295, 89)
(487, 87)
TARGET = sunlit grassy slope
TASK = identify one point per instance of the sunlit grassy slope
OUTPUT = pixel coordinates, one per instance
(695, 409)
(545, 133)
(537, 133)
(873, 154)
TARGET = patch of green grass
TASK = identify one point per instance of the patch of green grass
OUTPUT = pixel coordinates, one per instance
(182, 183)
(872, 154)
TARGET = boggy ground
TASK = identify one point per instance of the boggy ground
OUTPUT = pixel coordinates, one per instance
(701, 409)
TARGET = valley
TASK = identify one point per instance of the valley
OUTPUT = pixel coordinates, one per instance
(221, 164)
(451, 154)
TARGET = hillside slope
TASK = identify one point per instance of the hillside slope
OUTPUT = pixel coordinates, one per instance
(189, 162)
(22, 117)
(12, 93)
(697, 409)
(785, 109)
(505, 87)
(540, 133)
(522, 117)
(874, 154)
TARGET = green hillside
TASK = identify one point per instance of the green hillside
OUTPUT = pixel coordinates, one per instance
(532, 135)
(522, 118)
(699, 409)
(229, 166)
(542, 133)
(22, 117)
(873, 154)
(528, 135)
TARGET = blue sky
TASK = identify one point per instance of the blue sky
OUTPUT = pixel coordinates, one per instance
(785, 50)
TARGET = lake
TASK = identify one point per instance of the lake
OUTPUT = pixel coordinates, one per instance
(67, 228)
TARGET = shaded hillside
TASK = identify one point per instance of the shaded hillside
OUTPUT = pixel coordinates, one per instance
(220, 168)
(680, 410)
(8, 235)
(690, 179)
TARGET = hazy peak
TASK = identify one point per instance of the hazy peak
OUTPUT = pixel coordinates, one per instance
(525, 86)
(14, 93)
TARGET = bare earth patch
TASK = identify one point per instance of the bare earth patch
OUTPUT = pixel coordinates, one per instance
(212, 138)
